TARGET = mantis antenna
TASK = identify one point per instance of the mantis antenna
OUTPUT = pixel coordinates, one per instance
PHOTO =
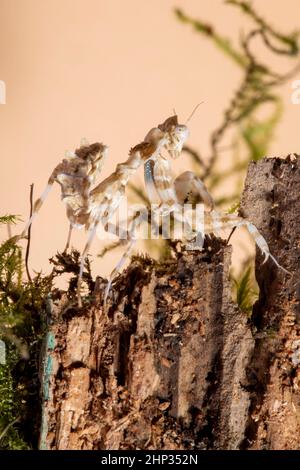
(193, 112)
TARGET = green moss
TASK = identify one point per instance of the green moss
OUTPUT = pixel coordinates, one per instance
(11, 406)
(22, 325)
(246, 292)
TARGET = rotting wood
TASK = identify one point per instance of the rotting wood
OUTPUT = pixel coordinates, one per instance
(175, 364)
(271, 199)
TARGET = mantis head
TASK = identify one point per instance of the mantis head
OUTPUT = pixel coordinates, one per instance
(177, 135)
(95, 153)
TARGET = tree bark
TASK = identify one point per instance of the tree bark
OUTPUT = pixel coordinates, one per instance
(174, 363)
(271, 201)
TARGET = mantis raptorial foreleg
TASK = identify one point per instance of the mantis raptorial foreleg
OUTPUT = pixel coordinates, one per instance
(159, 181)
(190, 188)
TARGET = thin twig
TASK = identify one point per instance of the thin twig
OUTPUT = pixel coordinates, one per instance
(109, 248)
(29, 236)
(258, 82)
(231, 233)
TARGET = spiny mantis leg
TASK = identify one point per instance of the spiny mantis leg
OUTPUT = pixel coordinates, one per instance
(187, 183)
(149, 181)
(136, 221)
(92, 232)
(37, 205)
(117, 269)
(234, 221)
(193, 232)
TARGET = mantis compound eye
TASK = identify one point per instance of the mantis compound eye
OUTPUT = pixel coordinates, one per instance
(182, 132)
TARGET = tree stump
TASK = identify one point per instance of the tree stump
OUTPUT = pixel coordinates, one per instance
(174, 363)
(271, 201)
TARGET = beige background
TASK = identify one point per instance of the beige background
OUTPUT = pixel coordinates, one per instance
(109, 70)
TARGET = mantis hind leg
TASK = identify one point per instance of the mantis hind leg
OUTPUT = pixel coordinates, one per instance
(91, 236)
(69, 238)
(118, 268)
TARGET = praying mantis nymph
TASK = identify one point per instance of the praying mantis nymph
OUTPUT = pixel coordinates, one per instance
(87, 206)
(172, 194)
(76, 175)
